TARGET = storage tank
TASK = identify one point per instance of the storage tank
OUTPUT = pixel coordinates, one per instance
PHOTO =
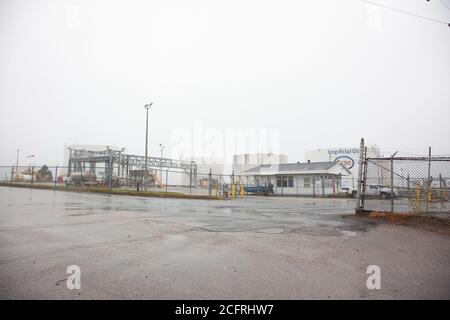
(80, 178)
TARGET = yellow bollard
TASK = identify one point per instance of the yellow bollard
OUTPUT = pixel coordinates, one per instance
(418, 191)
(242, 190)
(233, 190)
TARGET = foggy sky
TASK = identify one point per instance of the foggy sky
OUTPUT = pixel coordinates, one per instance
(321, 73)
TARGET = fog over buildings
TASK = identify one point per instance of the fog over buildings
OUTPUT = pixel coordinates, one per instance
(314, 74)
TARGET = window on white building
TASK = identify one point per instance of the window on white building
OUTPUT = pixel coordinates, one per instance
(279, 184)
(307, 182)
(285, 182)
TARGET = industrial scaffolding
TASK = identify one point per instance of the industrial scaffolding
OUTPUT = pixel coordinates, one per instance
(121, 165)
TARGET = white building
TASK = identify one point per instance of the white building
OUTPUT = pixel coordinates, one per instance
(311, 178)
(243, 162)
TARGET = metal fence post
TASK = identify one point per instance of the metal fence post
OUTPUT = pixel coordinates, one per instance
(190, 180)
(323, 185)
(167, 178)
(233, 190)
(360, 177)
(209, 182)
(110, 170)
(69, 169)
(32, 175)
(56, 174)
(12, 174)
(314, 186)
(392, 184)
(429, 178)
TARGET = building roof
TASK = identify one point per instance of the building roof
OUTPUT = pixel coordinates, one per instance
(297, 168)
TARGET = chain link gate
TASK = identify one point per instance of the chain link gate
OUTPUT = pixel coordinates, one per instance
(404, 185)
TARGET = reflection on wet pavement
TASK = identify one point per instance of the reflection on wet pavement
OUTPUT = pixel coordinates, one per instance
(252, 214)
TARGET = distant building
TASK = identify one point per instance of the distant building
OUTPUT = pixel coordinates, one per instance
(313, 178)
(204, 165)
(243, 162)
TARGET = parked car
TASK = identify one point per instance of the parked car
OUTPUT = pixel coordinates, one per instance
(349, 191)
(381, 191)
(260, 190)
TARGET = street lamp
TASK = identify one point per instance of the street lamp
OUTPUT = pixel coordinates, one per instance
(31, 156)
(17, 161)
(147, 106)
(161, 148)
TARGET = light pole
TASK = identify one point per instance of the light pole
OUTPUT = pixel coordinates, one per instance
(147, 106)
(17, 161)
(31, 156)
(161, 148)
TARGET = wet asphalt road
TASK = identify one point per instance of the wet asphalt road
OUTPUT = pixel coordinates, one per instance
(252, 248)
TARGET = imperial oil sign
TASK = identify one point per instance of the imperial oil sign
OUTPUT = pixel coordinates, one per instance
(348, 156)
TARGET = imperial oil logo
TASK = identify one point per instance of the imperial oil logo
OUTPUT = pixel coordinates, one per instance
(346, 161)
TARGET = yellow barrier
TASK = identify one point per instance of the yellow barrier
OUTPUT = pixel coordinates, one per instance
(418, 192)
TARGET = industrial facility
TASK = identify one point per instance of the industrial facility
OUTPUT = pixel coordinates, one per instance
(310, 178)
(120, 169)
(260, 173)
(325, 172)
(348, 156)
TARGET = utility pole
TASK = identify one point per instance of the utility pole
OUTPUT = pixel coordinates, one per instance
(359, 188)
(147, 106)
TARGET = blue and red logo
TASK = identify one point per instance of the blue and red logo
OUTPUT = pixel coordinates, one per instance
(346, 161)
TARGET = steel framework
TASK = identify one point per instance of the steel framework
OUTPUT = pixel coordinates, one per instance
(86, 160)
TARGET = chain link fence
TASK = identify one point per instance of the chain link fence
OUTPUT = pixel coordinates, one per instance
(186, 182)
(159, 180)
(405, 185)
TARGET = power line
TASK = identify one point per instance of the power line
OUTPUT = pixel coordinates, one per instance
(405, 12)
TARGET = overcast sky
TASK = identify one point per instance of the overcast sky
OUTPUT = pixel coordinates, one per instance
(313, 73)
